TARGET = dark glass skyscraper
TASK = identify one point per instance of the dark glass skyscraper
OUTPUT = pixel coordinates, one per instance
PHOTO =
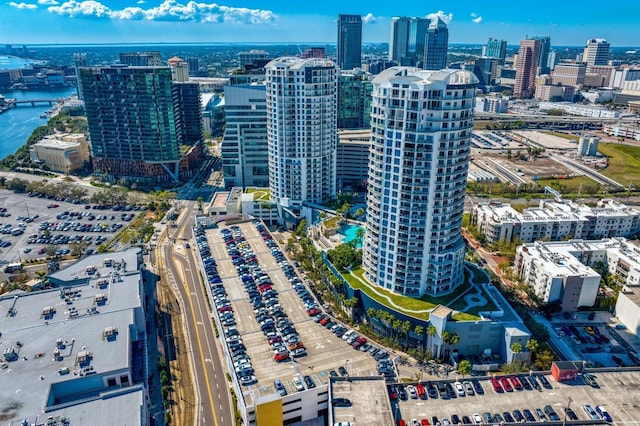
(436, 45)
(349, 42)
(141, 59)
(496, 49)
(543, 59)
(354, 100)
(137, 120)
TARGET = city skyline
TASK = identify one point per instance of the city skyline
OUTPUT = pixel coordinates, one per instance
(144, 21)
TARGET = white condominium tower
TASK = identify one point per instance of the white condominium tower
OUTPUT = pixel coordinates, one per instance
(421, 123)
(301, 132)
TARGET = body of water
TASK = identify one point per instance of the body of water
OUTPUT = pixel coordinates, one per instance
(17, 124)
(350, 233)
(12, 62)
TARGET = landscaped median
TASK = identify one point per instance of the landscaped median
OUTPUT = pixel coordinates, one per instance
(417, 308)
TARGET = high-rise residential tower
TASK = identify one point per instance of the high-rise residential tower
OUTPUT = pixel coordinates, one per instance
(138, 122)
(301, 132)
(436, 45)
(526, 68)
(179, 69)
(421, 124)
(596, 52)
(496, 49)
(349, 42)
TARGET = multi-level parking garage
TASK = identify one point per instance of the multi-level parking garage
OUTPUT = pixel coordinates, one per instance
(281, 349)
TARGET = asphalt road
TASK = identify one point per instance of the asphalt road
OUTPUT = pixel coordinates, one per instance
(211, 387)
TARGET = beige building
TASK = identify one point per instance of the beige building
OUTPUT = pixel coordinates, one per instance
(64, 152)
(568, 74)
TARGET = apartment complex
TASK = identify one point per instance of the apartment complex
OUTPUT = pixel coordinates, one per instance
(555, 220)
(349, 42)
(421, 123)
(77, 353)
(563, 270)
(138, 119)
(301, 132)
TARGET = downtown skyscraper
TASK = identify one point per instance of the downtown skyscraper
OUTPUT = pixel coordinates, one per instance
(421, 124)
(301, 132)
(406, 40)
(496, 49)
(527, 68)
(140, 123)
(436, 45)
(349, 42)
(596, 52)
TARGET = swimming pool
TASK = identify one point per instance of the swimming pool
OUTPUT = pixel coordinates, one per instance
(350, 233)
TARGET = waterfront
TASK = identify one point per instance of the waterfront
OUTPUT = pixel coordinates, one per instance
(17, 124)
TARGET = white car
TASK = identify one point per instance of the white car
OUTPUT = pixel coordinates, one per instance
(297, 383)
(477, 418)
(413, 393)
(459, 389)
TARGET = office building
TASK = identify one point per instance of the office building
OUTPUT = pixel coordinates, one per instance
(352, 165)
(569, 74)
(421, 125)
(77, 353)
(543, 58)
(136, 121)
(555, 220)
(436, 45)
(244, 146)
(526, 68)
(354, 100)
(349, 42)
(194, 66)
(301, 132)
(485, 70)
(141, 59)
(553, 60)
(62, 152)
(596, 52)
(407, 40)
(496, 49)
(179, 69)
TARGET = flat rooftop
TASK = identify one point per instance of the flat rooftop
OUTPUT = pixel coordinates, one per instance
(325, 350)
(57, 343)
(369, 399)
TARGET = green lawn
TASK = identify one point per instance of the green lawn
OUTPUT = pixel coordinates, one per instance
(570, 185)
(411, 306)
(262, 194)
(624, 163)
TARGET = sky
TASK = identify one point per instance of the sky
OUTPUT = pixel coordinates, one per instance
(568, 23)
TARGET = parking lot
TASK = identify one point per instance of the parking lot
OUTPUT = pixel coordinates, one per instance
(29, 224)
(260, 298)
(614, 393)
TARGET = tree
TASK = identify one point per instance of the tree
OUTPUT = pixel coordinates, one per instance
(50, 250)
(544, 359)
(464, 367)
(199, 201)
(406, 327)
(42, 276)
(532, 345)
(419, 330)
(359, 212)
(431, 332)
(78, 247)
(516, 347)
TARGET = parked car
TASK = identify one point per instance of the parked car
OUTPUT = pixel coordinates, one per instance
(603, 413)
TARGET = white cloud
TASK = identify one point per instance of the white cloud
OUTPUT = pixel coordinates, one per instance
(476, 18)
(47, 2)
(141, 1)
(369, 18)
(168, 10)
(23, 5)
(446, 18)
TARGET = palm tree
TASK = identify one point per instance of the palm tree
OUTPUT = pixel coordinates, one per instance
(42, 276)
(516, 347)
(419, 330)
(406, 327)
(431, 332)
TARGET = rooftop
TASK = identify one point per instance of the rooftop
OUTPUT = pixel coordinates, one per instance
(369, 399)
(58, 345)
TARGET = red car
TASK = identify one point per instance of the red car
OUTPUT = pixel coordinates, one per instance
(225, 309)
(325, 320)
(420, 390)
(496, 385)
(281, 357)
(313, 311)
(505, 384)
(515, 382)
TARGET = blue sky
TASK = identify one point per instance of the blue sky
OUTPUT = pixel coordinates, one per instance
(568, 23)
